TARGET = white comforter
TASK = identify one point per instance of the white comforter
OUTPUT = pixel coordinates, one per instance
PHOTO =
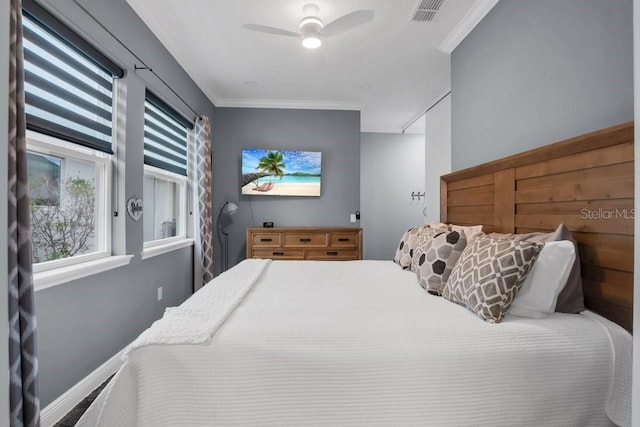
(360, 343)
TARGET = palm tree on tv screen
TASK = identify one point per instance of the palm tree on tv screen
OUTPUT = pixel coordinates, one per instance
(272, 164)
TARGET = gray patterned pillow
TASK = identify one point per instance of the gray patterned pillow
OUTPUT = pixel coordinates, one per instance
(489, 274)
(423, 241)
(407, 245)
(404, 253)
(436, 262)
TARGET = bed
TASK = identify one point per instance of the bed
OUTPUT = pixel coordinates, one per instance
(293, 343)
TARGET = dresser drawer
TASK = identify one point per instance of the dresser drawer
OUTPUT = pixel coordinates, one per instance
(278, 253)
(332, 254)
(305, 243)
(343, 240)
(267, 240)
(306, 240)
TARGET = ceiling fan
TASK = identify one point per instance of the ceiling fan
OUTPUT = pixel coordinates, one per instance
(312, 29)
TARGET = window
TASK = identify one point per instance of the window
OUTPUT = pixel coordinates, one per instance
(69, 109)
(69, 201)
(165, 204)
(166, 147)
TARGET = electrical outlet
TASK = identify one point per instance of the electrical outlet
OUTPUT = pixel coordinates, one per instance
(160, 293)
(353, 217)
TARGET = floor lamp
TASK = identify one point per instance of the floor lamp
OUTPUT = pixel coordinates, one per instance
(228, 209)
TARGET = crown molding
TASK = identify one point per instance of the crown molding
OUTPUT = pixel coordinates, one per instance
(467, 24)
(289, 104)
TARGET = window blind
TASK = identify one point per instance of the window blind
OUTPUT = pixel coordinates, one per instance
(68, 84)
(165, 136)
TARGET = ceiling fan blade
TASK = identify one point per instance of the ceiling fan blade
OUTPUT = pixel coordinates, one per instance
(347, 22)
(271, 30)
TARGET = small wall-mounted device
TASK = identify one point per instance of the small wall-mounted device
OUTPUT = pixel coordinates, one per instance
(267, 224)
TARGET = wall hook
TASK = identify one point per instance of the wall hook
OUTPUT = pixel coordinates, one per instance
(417, 195)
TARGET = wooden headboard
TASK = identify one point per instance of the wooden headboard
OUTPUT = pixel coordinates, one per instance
(586, 183)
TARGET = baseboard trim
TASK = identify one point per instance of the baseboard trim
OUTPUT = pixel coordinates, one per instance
(69, 399)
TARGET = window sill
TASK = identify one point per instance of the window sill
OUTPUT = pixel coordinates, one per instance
(57, 276)
(152, 251)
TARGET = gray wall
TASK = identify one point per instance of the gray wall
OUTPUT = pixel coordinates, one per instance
(335, 133)
(392, 166)
(437, 154)
(4, 115)
(83, 323)
(535, 72)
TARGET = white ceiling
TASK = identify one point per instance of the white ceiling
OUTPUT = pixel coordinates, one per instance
(390, 68)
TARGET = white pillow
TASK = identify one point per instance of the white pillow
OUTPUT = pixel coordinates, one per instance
(539, 293)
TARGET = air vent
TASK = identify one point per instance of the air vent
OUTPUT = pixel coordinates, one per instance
(426, 10)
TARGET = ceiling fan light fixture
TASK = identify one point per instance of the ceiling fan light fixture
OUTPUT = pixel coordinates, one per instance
(311, 22)
(311, 42)
(310, 9)
(313, 30)
(310, 27)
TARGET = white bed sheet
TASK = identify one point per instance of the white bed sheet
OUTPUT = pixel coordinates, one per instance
(360, 343)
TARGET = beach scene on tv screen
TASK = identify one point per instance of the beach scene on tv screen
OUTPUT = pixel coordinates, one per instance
(281, 172)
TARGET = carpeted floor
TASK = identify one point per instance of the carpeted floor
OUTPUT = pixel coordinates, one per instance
(74, 415)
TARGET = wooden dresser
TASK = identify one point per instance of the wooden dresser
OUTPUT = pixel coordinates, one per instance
(310, 243)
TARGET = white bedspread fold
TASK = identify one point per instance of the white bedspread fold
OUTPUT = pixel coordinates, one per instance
(194, 322)
(198, 318)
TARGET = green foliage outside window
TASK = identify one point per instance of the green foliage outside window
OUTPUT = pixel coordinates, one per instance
(66, 228)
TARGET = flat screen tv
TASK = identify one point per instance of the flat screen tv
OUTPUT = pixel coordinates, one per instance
(281, 172)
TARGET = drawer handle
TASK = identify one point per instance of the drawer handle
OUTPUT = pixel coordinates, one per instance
(278, 253)
(266, 240)
(343, 239)
(332, 253)
(305, 239)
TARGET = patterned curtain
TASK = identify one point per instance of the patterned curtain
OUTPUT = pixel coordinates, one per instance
(203, 144)
(23, 364)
